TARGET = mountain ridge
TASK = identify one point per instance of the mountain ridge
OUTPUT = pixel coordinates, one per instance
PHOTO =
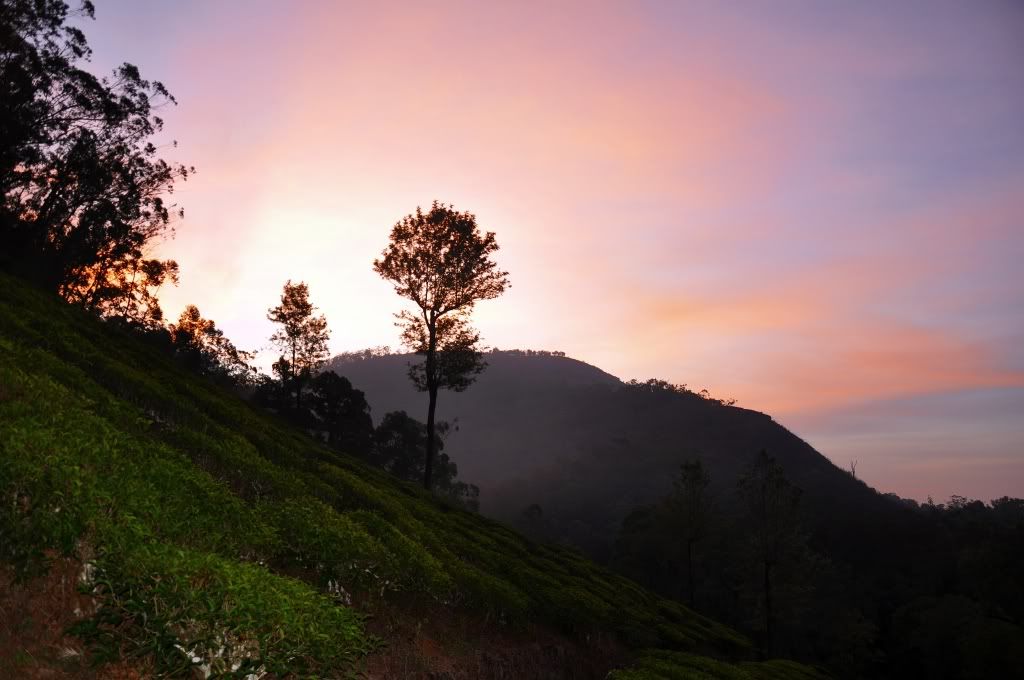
(588, 448)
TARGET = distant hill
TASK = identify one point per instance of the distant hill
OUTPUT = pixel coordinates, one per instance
(512, 387)
(589, 448)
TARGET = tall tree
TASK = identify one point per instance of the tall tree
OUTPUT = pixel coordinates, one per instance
(302, 338)
(690, 511)
(771, 505)
(441, 262)
(82, 188)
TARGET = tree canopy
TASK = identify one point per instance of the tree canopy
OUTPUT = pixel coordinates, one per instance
(341, 412)
(399, 445)
(302, 338)
(203, 348)
(441, 262)
(83, 191)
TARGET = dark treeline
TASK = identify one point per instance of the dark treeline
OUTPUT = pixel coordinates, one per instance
(924, 590)
(528, 352)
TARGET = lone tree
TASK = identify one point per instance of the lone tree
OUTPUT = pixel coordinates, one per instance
(302, 338)
(440, 261)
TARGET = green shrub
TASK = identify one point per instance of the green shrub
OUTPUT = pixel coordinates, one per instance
(184, 608)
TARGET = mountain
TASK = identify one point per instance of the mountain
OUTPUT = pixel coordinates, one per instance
(207, 538)
(543, 429)
(512, 387)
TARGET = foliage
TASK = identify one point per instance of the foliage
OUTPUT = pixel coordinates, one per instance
(441, 262)
(930, 588)
(399, 446)
(341, 412)
(342, 358)
(125, 290)
(204, 349)
(658, 385)
(188, 609)
(82, 189)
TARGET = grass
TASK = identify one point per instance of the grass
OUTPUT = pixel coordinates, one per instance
(214, 535)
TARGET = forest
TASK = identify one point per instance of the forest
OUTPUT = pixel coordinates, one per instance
(446, 509)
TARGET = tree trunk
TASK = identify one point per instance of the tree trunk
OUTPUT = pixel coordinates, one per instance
(428, 467)
(295, 382)
(431, 369)
(767, 609)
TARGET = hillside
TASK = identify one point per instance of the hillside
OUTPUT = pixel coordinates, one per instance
(589, 448)
(206, 536)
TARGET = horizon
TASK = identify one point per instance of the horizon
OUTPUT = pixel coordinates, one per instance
(813, 210)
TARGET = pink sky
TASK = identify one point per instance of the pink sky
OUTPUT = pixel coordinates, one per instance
(815, 209)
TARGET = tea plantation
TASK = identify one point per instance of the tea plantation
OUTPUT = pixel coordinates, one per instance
(212, 538)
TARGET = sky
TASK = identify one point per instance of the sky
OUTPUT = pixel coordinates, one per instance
(815, 208)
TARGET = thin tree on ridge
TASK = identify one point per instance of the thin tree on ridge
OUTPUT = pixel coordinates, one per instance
(302, 336)
(771, 513)
(691, 510)
(440, 261)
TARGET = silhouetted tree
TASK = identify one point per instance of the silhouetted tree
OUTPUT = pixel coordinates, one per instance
(399, 442)
(770, 504)
(399, 445)
(441, 262)
(341, 412)
(82, 190)
(690, 510)
(202, 347)
(126, 291)
(302, 338)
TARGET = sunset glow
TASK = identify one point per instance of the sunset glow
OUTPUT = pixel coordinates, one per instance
(815, 209)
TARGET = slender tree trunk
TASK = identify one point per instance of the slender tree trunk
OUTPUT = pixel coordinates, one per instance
(689, 569)
(295, 382)
(431, 369)
(428, 468)
(767, 609)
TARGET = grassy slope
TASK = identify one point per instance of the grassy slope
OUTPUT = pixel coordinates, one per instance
(206, 525)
